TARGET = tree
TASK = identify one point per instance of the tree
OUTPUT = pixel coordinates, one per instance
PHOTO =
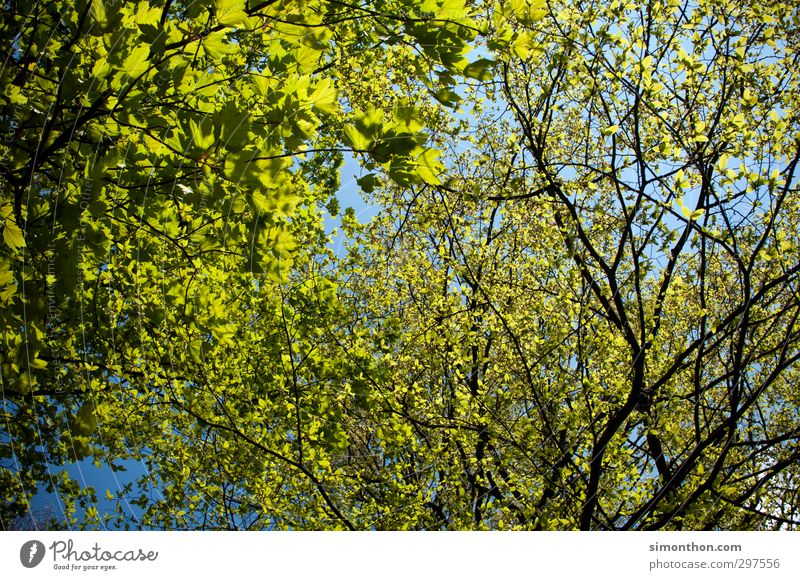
(577, 308)
(163, 169)
(599, 304)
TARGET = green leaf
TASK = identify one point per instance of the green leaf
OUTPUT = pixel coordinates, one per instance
(368, 182)
(688, 213)
(357, 140)
(429, 167)
(104, 19)
(239, 166)
(262, 84)
(101, 68)
(137, 62)
(527, 11)
(201, 138)
(447, 97)
(98, 12)
(86, 419)
(234, 127)
(696, 214)
(306, 59)
(230, 12)
(12, 235)
(37, 363)
(370, 122)
(480, 69)
(323, 98)
(6, 275)
(215, 45)
(402, 172)
(261, 202)
(7, 286)
(524, 45)
(610, 130)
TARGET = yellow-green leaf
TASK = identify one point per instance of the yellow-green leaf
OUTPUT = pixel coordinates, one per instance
(12, 235)
(356, 139)
(429, 167)
(323, 98)
(479, 70)
(200, 138)
(215, 44)
(230, 12)
(137, 61)
(610, 130)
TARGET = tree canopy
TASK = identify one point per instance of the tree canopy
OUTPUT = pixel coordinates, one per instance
(577, 307)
